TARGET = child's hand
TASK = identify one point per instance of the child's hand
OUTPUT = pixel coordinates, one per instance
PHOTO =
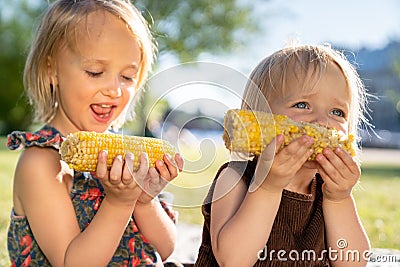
(274, 172)
(340, 173)
(119, 182)
(158, 178)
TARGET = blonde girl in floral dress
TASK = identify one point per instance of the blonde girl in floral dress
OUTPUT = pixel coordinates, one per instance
(88, 59)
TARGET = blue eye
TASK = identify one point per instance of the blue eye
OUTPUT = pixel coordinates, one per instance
(338, 112)
(302, 105)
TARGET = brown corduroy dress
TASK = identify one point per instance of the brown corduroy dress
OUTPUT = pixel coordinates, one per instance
(298, 228)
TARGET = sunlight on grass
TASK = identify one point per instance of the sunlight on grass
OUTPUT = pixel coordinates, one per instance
(8, 161)
(191, 186)
(378, 204)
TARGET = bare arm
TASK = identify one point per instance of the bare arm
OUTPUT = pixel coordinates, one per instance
(156, 226)
(236, 219)
(345, 233)
(245, 218)
(151, 218)
(121, 195)
(344, 230)
(47, 204)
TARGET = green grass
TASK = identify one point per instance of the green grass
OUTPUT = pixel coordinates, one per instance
(8, 161)
(377, 196)
(191, 186)
(378, 201)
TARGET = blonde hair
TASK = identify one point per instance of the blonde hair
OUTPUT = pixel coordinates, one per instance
(58, 22)
(305, 62)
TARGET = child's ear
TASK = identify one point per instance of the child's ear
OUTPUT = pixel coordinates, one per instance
(51, 71)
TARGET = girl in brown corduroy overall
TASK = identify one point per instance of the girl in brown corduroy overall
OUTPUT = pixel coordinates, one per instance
(279, 209)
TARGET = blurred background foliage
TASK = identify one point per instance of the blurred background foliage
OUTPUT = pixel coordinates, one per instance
(16, 20)
(214, 27)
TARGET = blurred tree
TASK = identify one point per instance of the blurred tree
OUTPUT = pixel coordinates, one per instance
(184, 29)
(189, 28)
(16, 20)
(394, 94)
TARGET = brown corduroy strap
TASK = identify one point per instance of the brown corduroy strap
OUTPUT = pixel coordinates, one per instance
(298, 226)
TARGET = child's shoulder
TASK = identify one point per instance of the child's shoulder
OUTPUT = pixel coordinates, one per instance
(35, 160)
(244, 169)
(37, 167)
(40, 185)
(235, 173)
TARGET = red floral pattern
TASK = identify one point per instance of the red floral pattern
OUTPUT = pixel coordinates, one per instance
(86, 195)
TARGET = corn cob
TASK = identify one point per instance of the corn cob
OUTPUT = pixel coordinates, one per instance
(249, 131)
(80, 150)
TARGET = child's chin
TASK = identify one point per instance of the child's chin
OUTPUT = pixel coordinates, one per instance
(310, 164)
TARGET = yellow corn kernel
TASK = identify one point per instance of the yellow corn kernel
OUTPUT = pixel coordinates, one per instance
(249, 131)
(80, 150)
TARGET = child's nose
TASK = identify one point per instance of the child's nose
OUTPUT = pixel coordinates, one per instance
(321, 119)
(113, 89)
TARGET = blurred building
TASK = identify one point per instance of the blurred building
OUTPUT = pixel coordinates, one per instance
(380, 71)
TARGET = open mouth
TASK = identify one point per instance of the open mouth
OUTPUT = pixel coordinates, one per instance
(102, 111)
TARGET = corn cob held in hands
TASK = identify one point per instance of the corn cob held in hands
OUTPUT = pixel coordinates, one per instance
(249, 131)
(80, 150)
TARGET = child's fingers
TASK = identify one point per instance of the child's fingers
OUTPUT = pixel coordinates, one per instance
(157, 182)
(270, 150)
(101, 169)
(179, 161)
(265, 162)
(153, 184)
(116, 170)
(334, 164)
(330, 162)
(170, 166)
(348, 160)
(329, 168)
(279, 140)
(324, 165)
(338, 178)
(143, 169)
(154, 176)
(164, 170)
(289, 161)
(332, 185)
(298, 146)
(127, 173)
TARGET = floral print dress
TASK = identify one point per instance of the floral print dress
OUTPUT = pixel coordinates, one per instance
(87, 194)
